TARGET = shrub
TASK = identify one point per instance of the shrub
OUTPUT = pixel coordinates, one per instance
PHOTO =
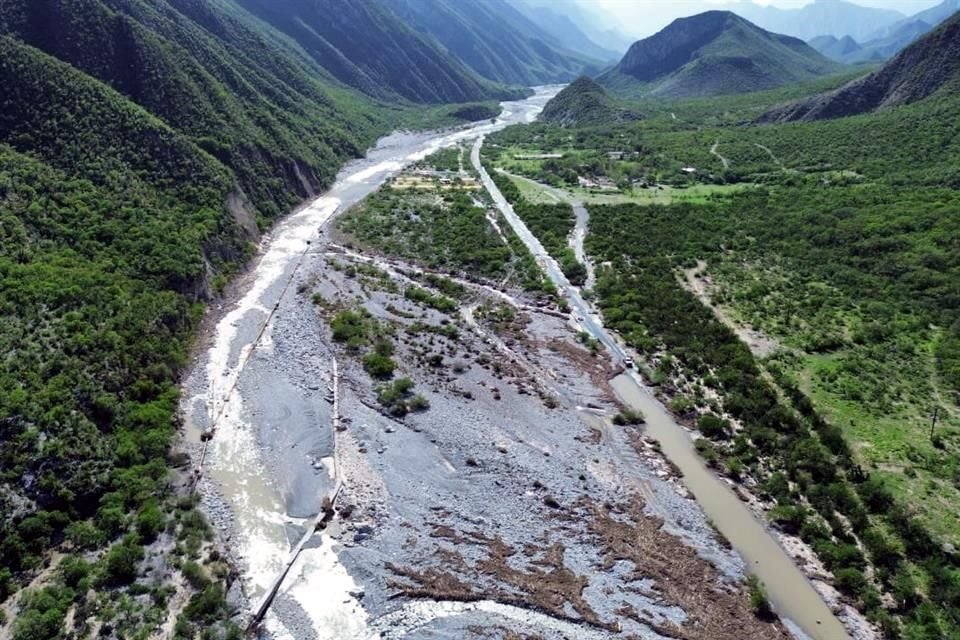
(379, 366)
(628, 416)
(150, 522)
(120, 563)
(84, 535)
(713, 427)
(758, 599)
(195, 575)
(789, 518)
(850, 581)
(74, 570)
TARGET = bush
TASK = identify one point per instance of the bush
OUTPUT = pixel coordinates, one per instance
(194, 574)
(74, 570)
(759, 602)
(628, 416)
(120, 563)
(789, 518)
(850, 581)
(713, 427)
(84, 535)
(150, 522)
(379, 366)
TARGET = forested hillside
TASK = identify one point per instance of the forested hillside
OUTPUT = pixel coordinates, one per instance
(113, 225)
(583, 102)
(714, 53)
(365, 46)
(494, 39)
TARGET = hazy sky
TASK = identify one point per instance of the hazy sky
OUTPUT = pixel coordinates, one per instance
(643, 17)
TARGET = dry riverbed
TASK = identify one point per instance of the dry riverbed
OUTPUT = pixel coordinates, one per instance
(506, 509)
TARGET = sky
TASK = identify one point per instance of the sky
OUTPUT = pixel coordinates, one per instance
(641, 18)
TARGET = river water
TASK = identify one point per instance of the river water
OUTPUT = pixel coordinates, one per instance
(259, 418)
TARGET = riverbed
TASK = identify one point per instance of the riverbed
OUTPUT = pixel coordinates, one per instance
(260, 385)
(272, 432)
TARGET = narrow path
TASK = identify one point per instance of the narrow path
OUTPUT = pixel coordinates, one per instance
(770, 153)
(792, 594)
(714, 152)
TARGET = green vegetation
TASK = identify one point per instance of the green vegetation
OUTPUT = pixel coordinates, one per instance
(836, 238)
(758, 598)
(399, 399)
(714, 53)
(453, 235)
(583, 103)
(552, 224)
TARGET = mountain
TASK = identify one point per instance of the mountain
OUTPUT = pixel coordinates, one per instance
(364, 45)
(894, 42)
(562, 27)
(930, 65)
(493, 39)
(822, 17)
(838, 49)
(932, 16)
(887, 42)
(590, 18)
(714, 53)
(280, 123)
(583, 103)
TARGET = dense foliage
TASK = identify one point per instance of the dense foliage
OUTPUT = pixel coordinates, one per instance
(453, 235)
(836, 238)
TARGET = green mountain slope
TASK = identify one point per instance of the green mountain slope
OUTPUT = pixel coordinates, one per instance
(112, 225)
(262, 112)
(142, 147)
(930, 65)
(561, 24)
(493, 39)
(366, 46)
(585, 103)
(714, 53)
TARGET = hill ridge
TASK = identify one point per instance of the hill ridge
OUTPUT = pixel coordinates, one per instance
(713, 53)
(929, 65)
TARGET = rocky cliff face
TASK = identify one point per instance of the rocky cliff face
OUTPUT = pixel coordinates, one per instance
(929, 65)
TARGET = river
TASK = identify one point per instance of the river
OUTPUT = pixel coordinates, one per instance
(259, 418)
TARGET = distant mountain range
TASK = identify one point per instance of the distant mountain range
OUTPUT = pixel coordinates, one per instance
(561, 25)
(713, 53)
(583, 103)
(928, 66)
(819, 18)
(495, 40)
(886, 42)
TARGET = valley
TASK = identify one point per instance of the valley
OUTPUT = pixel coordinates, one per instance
(370, 319)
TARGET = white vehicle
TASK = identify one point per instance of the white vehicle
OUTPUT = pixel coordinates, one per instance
(628, 362)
